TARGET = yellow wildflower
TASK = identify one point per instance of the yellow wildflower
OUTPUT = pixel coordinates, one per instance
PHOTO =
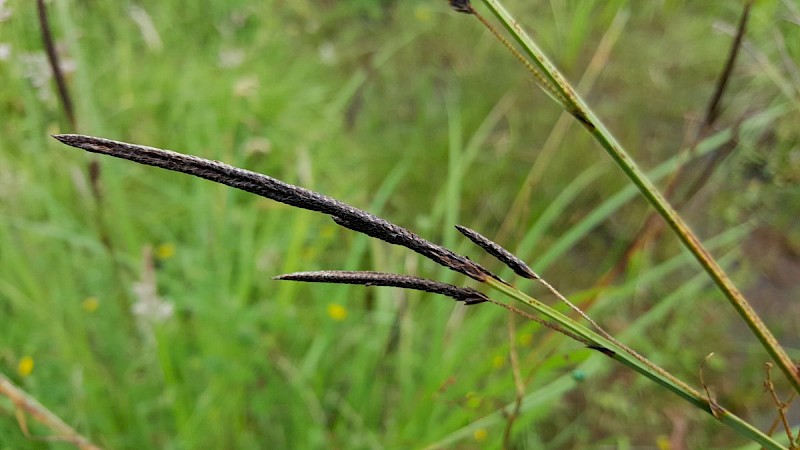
(480, 434)
(473, 400)
(91, 304)
(525, 339)
(337, 312)
(165, 251)
(498, 361)
(25, 366)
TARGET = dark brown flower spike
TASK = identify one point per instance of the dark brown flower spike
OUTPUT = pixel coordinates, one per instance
(463, 294)
(506, 257)
(394, 234)
(265, 186)
(462, 6)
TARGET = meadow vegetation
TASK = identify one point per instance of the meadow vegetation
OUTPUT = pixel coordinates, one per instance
(139, 305)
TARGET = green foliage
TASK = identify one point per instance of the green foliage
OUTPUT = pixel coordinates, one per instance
(402, 108)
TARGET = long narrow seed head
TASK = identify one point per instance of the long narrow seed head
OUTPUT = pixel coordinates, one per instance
(463, 294)
(506, 257)
(265, 186)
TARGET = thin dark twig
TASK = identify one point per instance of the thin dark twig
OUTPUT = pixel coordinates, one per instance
(777, 421)
(712, 113)
(781, 406)
(712, 162)
(52, 59)
(93, 168)
(463, 294)
(504, 256)
(265, 186)
(713, 110)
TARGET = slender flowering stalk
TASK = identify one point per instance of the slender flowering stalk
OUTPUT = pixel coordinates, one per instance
(265, 186)
(522, 269)
(575, 105)
(343, 214)
(363, 222)
(463, 294)
(504, 256)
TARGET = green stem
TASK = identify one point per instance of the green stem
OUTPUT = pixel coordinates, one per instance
(642, 366)
(578, 108)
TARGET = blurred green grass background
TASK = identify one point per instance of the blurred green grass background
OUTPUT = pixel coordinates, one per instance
(415, 113)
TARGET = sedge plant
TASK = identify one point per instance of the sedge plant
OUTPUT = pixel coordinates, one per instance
(592, 335)
(361, 221)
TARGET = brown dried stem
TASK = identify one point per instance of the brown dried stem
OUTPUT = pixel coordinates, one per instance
(30, 406)
(781, 406)
(52, 59)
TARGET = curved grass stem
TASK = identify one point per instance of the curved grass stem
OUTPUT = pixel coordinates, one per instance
(640, 364)
(575, 105)
(28, 406)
